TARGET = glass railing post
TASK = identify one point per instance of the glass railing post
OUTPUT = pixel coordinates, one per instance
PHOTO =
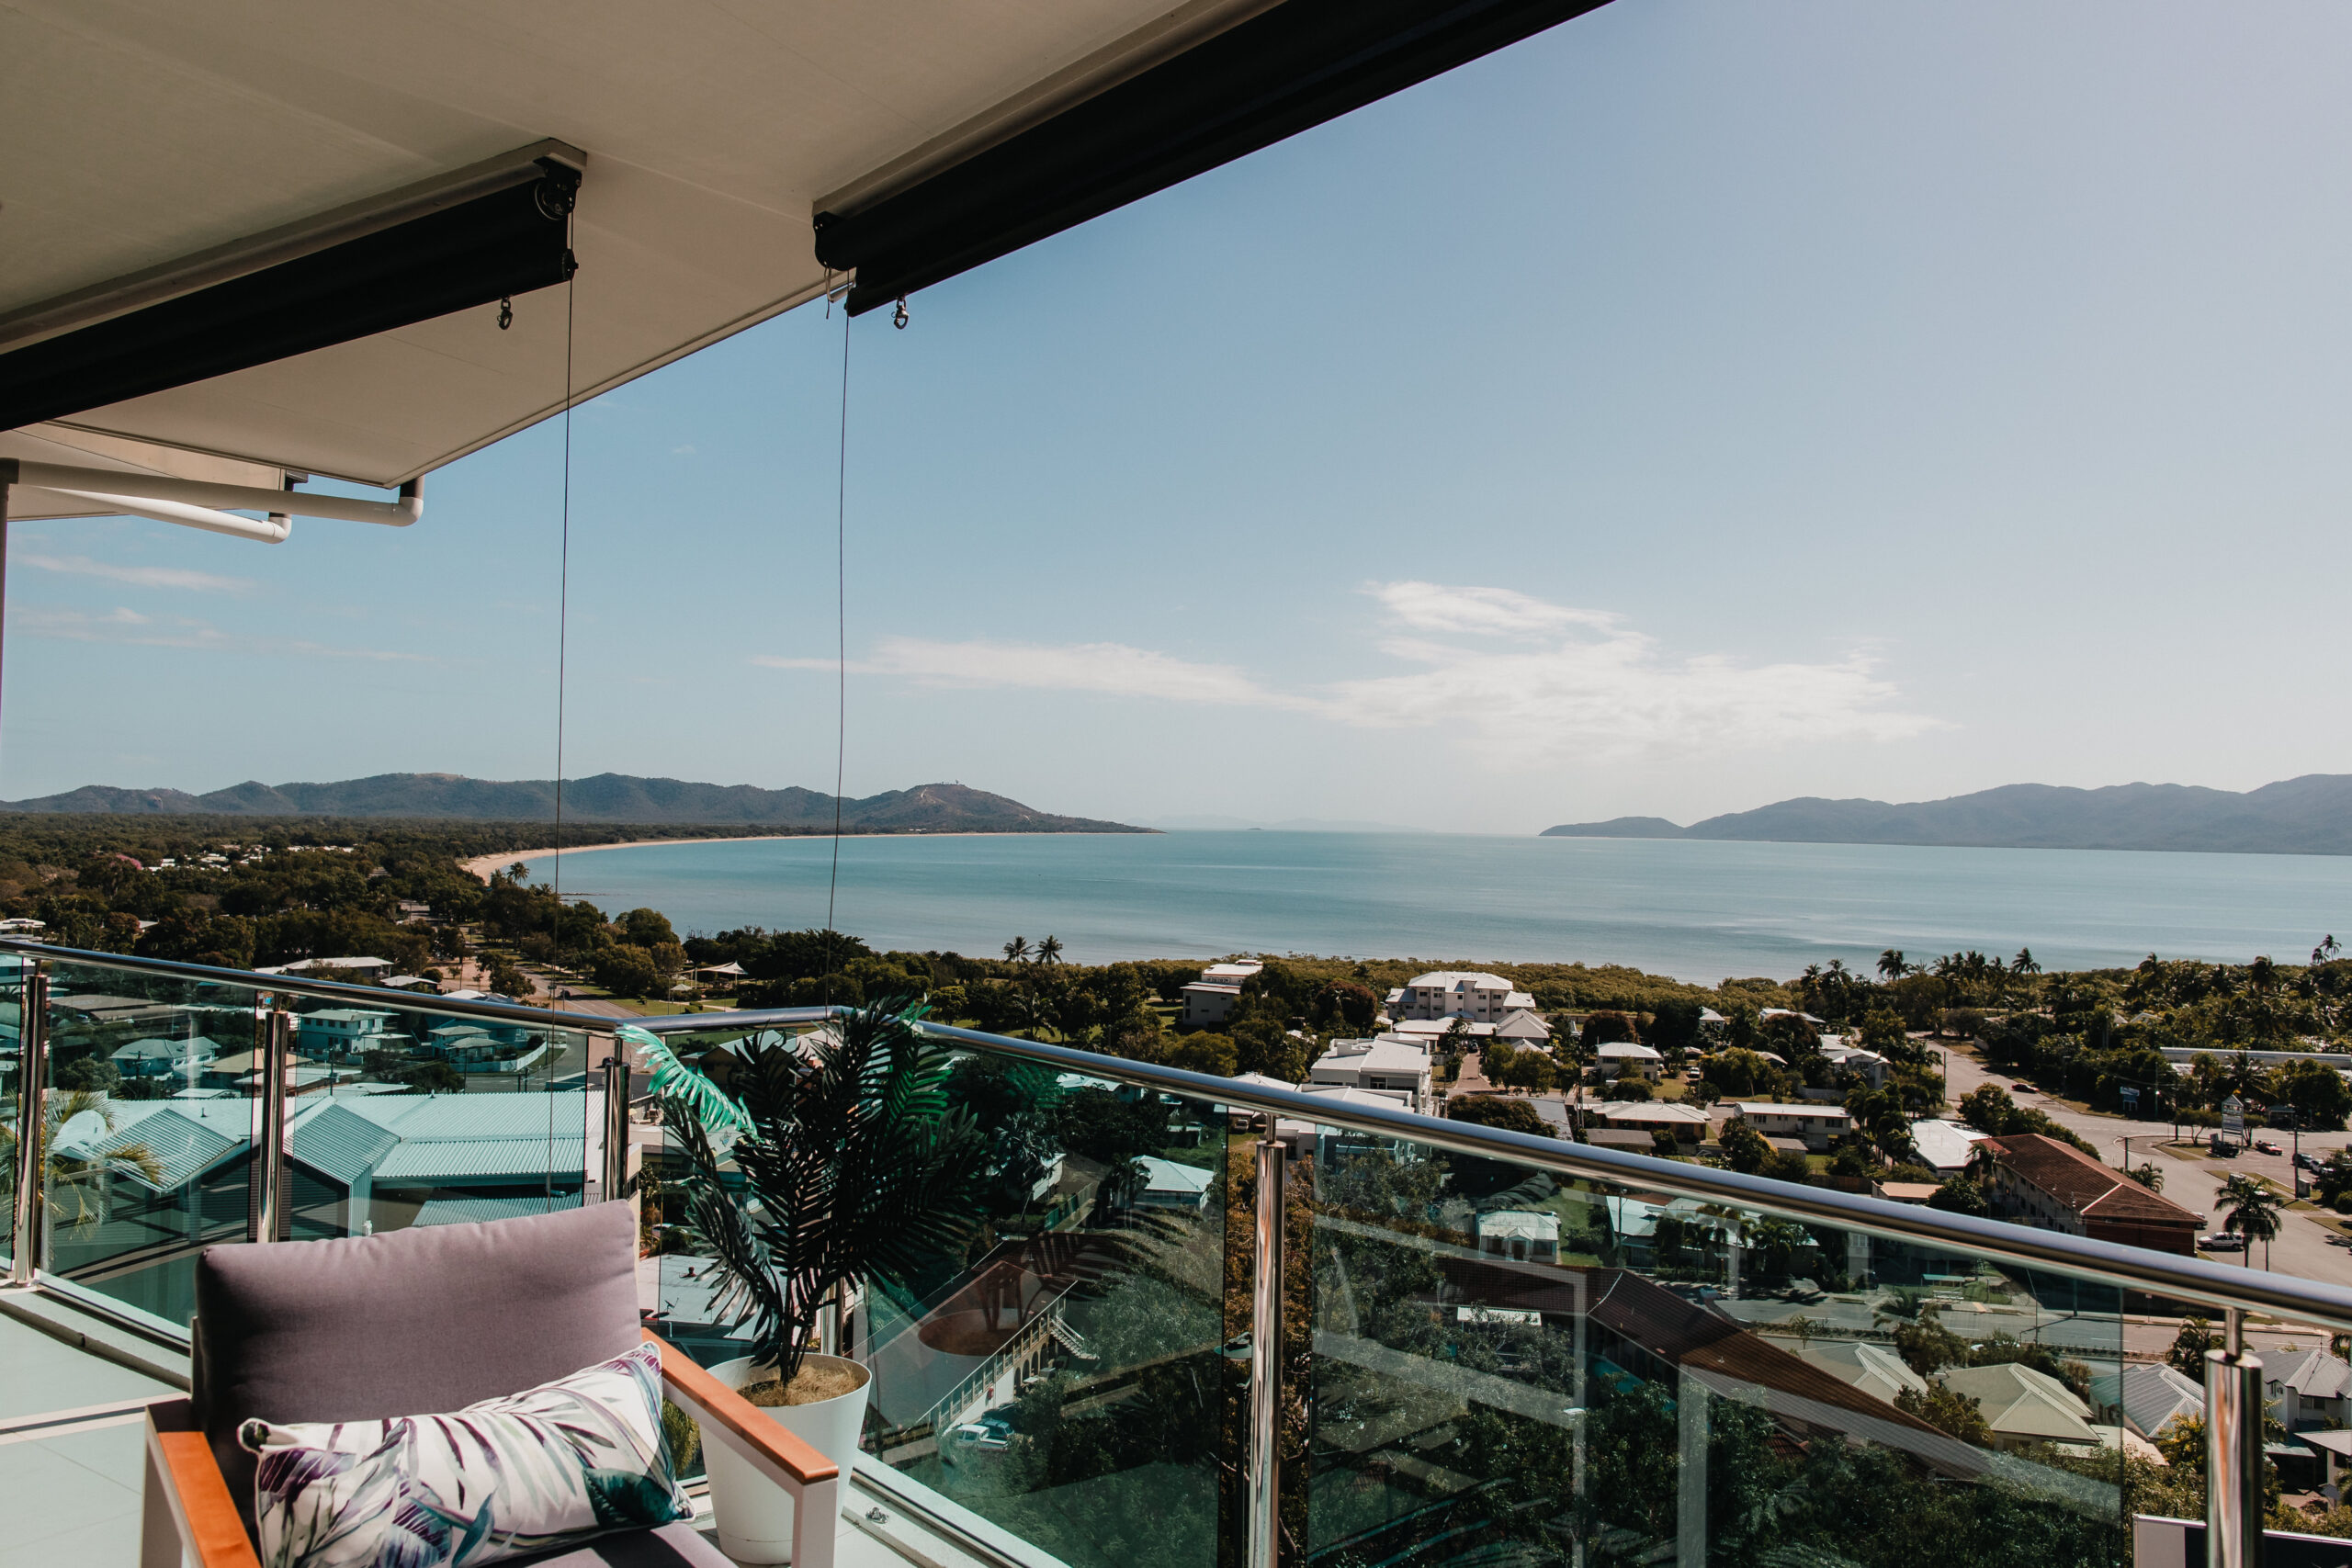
(2234, 1452)
(1266, 1354)
(32, 1078)
(616, 1171)
(277, 1059)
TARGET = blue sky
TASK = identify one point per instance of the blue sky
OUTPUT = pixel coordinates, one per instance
(1692, 407)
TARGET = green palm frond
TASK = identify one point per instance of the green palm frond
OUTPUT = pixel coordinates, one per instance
(672, 1079)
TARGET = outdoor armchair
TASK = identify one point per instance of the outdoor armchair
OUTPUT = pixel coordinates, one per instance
(426, 1321)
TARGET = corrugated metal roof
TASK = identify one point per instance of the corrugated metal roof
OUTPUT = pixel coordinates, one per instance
(336, 1143)
(182, 1144)
(455, 1161)
(476, 1211)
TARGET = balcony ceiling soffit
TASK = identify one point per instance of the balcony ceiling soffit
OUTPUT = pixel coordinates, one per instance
(146, 132)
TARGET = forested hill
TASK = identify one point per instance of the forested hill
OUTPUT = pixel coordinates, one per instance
(606, 798)
(2306, 816)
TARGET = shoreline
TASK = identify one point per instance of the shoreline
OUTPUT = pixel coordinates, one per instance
(480, 867)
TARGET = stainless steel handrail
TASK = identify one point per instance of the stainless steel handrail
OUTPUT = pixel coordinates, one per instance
(2220, 1285)
(320, 990)
(2194, 1279)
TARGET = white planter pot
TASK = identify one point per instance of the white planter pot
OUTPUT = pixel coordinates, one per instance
(753, 1516)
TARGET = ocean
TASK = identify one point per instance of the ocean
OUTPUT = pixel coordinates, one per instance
(1698, 910)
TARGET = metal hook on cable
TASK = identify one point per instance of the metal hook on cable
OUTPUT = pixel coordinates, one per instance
(899, 316)
(506, 312)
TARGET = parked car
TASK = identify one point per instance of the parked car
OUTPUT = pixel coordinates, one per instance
(2306, 1162)
(2025, 1087)
(2222, 1241)
(974, 1435)
(2267, 1146)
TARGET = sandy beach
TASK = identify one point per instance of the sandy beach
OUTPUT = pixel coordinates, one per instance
(482, 865)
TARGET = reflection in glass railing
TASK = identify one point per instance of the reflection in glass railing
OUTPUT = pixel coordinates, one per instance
(1059, 1374)
(395, 1117)
(1507, 1364)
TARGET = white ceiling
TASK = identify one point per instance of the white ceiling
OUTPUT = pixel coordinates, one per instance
(134, 132)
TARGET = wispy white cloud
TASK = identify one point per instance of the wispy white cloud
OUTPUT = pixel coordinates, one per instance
(1112, 668)
(1435, 607)
(122, 624)
(1561, 682)
(139, 576)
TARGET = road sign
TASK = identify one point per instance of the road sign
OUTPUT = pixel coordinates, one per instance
(2130, 1098)
(2234, 1116)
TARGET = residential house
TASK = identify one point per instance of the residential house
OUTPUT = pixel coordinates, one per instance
(2041, 1180)
(1812, 1125)
(1435, 1029)
(1389, 1061)
(340, 1032)
(1168, 1185)
(164, 1058)
(1687, 1123)
(1620, 1058)
(1853, 1060)
(1519, 1234)
(1945, 1145)
(1458, 993)
(1209, 1000)
(1522, 1027)
(2310, 1392)
(1874, 1369)
(2148, 1398)
(2022, 1406)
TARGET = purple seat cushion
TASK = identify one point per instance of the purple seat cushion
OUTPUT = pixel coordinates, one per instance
(406, 1323)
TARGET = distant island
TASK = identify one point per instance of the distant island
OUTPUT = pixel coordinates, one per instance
(2306, 816)
(606, 798)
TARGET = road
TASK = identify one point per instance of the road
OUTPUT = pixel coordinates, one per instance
(2303, 1245)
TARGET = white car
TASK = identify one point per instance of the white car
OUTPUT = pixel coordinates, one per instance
(2222, 1241)
(974, 1435)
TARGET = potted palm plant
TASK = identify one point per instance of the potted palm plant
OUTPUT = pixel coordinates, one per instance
(854, 1167)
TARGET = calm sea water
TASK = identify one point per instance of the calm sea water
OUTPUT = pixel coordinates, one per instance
(1698, 910)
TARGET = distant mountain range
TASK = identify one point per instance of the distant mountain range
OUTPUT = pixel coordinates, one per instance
(2307, 816)
(606, 798)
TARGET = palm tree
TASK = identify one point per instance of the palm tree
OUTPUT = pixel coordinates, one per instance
(2253, 1211)
(1050, 950)
(2328, 948)
(1891, 966)
(74, 1181)
(1017, 950)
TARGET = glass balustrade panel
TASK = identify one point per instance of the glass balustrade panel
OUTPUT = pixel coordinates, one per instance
(402, 1115)
(1500, 1363)
(1063, 1371)
(148, 1127)
(12, 971)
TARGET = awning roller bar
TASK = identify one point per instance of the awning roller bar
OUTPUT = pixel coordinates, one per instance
(134, 489)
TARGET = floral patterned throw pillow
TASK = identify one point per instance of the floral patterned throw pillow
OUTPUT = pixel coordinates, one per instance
(551, 1467)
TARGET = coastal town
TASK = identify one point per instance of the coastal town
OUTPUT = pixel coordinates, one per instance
(2188, 1110)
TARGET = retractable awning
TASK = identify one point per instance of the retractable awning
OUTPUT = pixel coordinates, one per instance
(280, 236)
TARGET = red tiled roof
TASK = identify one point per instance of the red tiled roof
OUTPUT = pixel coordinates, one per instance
(2083, 1184)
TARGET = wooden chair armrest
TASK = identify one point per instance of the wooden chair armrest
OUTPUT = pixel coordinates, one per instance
(794, 1457)
(184, 1484)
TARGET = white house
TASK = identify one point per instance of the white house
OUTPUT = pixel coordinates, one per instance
(338, 1031)
(1433, 1029)
(1524, 1028)
(1520, 1236)
(1814, 1124)
(1619, 1058)
(1387, 1063)
(1209, 1000)
(162, 1058)
(2310, 1392)
(1687, 1123)
(1944, 1144)
(1459, 993)
(1849, 1057)
(1167, 1184)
